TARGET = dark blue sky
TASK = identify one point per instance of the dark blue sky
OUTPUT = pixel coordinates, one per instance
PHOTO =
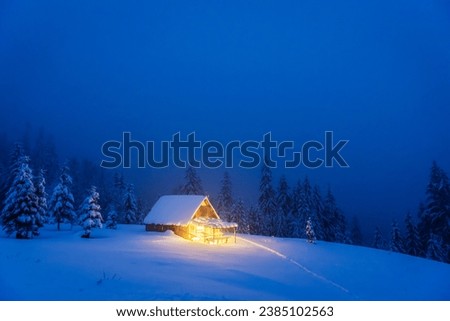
(375, 73)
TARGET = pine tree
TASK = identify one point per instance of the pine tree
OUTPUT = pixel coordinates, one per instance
(438, 208)
(378, 241)
(295, 222)
(396, 244)
(267, 202)
(193, 183)
(317, 208)
(412, 242)
(435, 215)
(41, 196)
(119, 191)
(356, 235)
(15, 164)
(111, 219)
(140, 215)
(304, 205)
(78, 191)
(341, 228)
(423, 229)
(130, 206)
(330, 218)
(254, 221)
(435, 249)
(309, 231)
(225, 198)
(62, 202)
(332, 224)
(284, 208)
(90, 216)
(20, 212)
(238, 215)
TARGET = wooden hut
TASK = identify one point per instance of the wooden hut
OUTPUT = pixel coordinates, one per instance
(191, 217)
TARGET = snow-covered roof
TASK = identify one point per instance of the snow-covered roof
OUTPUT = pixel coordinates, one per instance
(176, 209)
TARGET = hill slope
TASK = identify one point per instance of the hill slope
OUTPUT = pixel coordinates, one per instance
(131, 264)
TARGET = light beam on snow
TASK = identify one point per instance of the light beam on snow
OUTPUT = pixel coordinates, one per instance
(320, 277)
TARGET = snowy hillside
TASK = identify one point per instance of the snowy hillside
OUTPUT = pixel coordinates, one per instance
(131, 264)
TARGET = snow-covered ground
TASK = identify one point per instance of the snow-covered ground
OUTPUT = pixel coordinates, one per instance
(131, 264)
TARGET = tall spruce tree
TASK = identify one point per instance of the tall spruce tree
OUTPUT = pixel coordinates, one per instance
(130, 206)
(14, 165)
(120, 187)
(435, 249)
(296, 227)
(305, 208)
(317, 207)
(62, 201)
(193, 183)
(225, 198)
(238, 215)
(436, 216)
(423, 228)
(378, 241)
(254, 221)
(302, 208)
(41, 195)
(267, 202)
(411, 241)
(396, 244)
(331, 219)
(284, 205)
(90, 216)
(20, 212)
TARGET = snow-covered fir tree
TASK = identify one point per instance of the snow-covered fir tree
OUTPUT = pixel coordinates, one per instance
(129, 206)
(435, 249)
(411, 241)
(14, 166)
(39, 184)
(225, 200)
(396, 244)
(20, 213)
(295, 222)
(317, 208)
(303, 206)
(120, 187)
(62, 203)
(283, 208)
(140, 213)
(111, 218)
(341, 229)
(378, 241)
(238, 215)
(90, 216)
(435, 218)
(193, 183)
(267, 202)
(309, 231)
(333, 222)
(254, 221)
